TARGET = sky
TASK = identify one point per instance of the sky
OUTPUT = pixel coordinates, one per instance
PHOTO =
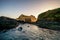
(14, 8)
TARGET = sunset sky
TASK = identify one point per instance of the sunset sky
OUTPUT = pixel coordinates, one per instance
(14, 8)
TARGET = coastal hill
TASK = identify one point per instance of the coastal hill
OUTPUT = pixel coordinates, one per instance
(25, 18)
(49, 19)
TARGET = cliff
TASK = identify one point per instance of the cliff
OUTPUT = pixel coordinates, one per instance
(27, 18)
(50, 19)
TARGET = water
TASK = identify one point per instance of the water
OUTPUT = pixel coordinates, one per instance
(30, 32)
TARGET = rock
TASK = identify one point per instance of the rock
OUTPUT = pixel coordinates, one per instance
(20, 28)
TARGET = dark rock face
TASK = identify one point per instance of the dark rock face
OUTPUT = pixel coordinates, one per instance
(50, 19)
(7, 23)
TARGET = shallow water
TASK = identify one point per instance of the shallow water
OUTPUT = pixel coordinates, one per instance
(30, 32)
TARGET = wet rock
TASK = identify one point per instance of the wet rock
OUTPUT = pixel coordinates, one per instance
(20, 29)
(28, 26)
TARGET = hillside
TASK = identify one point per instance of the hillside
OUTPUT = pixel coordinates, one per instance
(50, 19)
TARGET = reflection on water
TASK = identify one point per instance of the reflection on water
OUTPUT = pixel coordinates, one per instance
(30, 32)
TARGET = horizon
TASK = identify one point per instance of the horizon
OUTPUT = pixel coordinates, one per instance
(14, 8)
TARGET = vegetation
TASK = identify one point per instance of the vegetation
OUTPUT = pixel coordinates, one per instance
(50, 19)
